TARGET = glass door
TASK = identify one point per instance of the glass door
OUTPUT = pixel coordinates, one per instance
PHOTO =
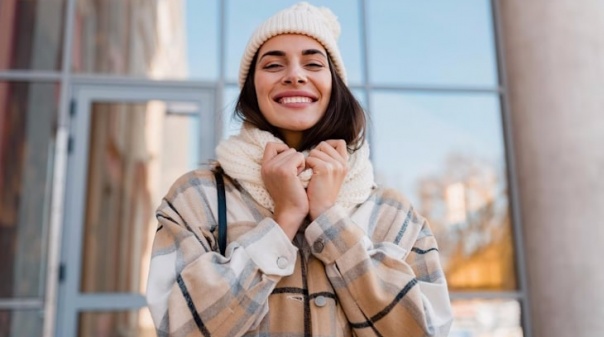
(127, 145)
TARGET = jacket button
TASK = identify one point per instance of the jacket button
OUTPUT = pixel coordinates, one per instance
(320, 301)
(318, 246)
(282, 262)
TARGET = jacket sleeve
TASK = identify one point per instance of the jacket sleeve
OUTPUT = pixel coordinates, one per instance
(193, 290)
(391, 287)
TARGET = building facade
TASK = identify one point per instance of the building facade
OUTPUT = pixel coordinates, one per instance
(103, 104)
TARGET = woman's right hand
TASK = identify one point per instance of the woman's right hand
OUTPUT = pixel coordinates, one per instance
(280, 168)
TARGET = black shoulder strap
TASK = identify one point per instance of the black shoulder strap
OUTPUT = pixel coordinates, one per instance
(222, 226)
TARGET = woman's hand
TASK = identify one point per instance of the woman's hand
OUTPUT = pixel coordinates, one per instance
(280, 168)
(329, 162)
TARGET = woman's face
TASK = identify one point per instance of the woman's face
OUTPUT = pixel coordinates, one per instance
(293, 84)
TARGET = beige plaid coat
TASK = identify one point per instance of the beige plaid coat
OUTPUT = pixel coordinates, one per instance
(371, 271)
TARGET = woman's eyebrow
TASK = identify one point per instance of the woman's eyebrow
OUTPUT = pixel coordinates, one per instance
(272, 53)
(313, 52)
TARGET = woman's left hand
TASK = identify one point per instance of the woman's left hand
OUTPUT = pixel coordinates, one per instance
(329, 163)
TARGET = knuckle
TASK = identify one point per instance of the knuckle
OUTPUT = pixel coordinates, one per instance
(280, 171)
(265, 169)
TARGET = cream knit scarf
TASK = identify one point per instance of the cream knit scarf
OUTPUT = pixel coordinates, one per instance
(241, 158)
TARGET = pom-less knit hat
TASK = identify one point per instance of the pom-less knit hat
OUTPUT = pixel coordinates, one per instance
(302, 18)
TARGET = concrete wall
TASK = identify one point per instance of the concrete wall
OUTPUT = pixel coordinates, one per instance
(554, 52)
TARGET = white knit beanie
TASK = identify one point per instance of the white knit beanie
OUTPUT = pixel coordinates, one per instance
(302, 18)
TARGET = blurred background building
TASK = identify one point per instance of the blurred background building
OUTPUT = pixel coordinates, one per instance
(486, 114)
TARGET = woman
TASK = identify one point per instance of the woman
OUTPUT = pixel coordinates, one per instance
(314, 247)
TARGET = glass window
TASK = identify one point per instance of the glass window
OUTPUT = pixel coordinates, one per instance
(361, 96)
(244, 16)
(445, 152)
(431, 43)
(486, 318)
(154, 39)
(201, 31)
(28, 117)
(120, 323)
(31, 34)
(21, 322)
(136, 152)
(231, 124)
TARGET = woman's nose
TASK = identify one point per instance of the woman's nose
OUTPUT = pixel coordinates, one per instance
(294, 75)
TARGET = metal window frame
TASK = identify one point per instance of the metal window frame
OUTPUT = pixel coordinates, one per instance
(84, 94)
(21, 304)
(512, 174)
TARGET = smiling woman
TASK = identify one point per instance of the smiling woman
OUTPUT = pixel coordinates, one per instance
(314, 247)
(277, 86)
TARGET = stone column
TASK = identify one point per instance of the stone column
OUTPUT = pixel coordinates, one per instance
(554, 61)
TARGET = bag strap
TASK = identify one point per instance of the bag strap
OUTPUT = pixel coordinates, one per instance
(222, 226)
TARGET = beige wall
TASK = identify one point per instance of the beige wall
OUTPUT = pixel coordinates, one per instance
(554, 52)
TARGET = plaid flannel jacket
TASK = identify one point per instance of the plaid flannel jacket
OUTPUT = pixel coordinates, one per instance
(372, 271)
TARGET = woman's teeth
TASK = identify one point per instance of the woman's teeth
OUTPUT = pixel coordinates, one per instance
(288, 100)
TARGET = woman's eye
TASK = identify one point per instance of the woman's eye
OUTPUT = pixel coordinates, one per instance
(272, 66)
(315, 65)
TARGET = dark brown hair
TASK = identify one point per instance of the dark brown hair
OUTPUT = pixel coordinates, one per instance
(344, 117)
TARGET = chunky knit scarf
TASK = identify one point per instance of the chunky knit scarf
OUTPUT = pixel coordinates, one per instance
(241, 158)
